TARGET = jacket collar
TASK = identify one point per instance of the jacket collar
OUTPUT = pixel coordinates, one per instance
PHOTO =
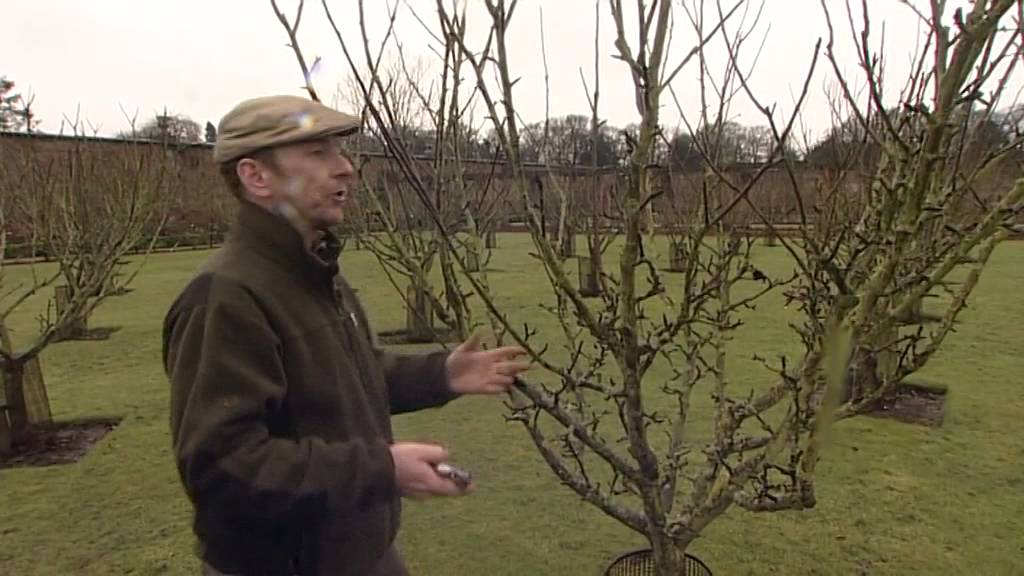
(274, 237)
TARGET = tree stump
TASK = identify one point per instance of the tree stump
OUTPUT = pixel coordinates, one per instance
(589, 284)
(419, 315)
(491, 240)
(676, 257)
(76, 326)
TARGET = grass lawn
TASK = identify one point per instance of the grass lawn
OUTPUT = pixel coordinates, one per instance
(893, 498)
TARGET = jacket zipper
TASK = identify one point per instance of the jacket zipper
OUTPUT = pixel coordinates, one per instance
(349, 316)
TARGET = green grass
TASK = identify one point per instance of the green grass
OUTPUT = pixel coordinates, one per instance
(893, 498)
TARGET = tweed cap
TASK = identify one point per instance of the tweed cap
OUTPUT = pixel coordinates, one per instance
(275, 120)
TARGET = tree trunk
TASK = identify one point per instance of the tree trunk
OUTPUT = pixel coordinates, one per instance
(14, 391)
(6, 440)
(676, 257)
(419, 317)
(491, 240)
(37, 401)
(596, 261)
(870, 370)
(863, 379)
(25, 390)
(472, 256)
(915, 314)
(568, 247)
(770, 238)
(889, 359)
(669, 559)
(75, 327)
(588, 277)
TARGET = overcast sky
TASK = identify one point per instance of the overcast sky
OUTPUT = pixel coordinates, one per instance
(200, 57)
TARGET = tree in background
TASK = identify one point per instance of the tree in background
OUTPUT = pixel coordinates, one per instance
(932, 207)
(15, 110)
(423, 127)
(169, 129)
(87, 207)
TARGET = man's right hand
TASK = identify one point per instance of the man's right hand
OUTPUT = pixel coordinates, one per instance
(415, 474)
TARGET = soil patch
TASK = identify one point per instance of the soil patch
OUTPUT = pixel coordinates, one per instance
(57, 443)
(914, 404)
(95, 334)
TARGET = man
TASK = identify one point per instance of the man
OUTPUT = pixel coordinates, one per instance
(280, 401)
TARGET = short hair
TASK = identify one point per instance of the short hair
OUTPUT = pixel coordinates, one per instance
(229, 170)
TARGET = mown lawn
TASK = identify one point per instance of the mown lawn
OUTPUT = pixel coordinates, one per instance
(893, 498)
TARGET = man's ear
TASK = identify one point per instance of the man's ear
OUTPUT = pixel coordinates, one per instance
(255, 177)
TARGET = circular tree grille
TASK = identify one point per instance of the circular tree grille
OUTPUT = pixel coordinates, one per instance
(641, 563)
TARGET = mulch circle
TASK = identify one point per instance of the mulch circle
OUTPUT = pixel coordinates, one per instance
(94, 334)
(57, 443)
(914, 405)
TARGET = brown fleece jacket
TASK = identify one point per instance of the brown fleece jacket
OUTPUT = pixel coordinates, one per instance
(280, 406)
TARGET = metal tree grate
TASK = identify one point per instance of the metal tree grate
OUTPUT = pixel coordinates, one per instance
(641, 563)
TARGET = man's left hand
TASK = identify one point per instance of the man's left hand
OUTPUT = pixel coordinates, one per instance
(475, 371)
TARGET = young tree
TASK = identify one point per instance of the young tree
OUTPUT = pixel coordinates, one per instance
(765, 445)
(612, 416)
(612, 348)
(934, 207)
(87, 207)
(397, 198)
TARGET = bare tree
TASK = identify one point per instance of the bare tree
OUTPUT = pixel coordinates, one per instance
(934, 207)
(90, 207)
(598, 225)
(87, 207)
(402, 108)
(604, 415)
(564, 421)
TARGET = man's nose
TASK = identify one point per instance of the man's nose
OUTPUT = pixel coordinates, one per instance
(343, 167)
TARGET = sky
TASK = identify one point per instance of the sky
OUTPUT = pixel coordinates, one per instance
(106, 60)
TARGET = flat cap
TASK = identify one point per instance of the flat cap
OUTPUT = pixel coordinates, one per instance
(275, 120)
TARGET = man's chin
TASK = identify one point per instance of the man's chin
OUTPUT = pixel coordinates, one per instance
(330, 220)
